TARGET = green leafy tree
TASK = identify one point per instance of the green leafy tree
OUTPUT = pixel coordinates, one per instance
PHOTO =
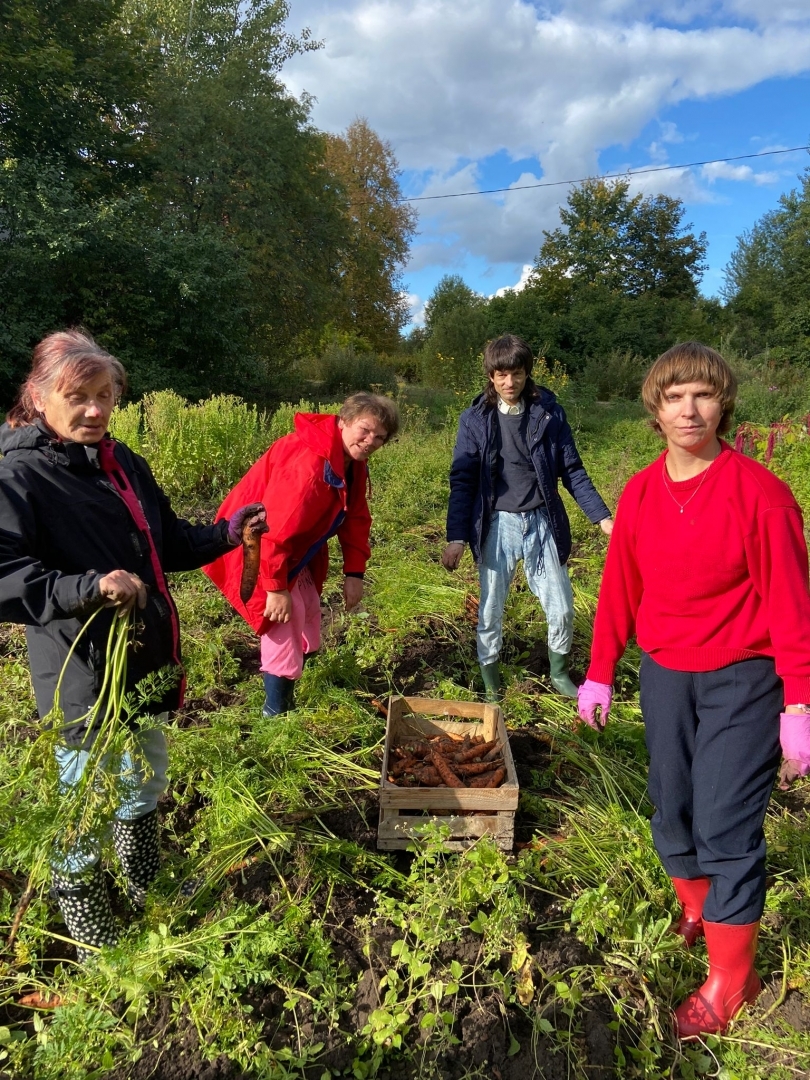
(380, 230)
(456, 324)
(768, 281)
(630, 245)
(73, 152)
(619, 276)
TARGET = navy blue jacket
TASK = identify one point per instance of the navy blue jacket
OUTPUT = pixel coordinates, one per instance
(474, 472)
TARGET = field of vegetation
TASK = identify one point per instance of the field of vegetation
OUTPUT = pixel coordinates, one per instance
(305, 952)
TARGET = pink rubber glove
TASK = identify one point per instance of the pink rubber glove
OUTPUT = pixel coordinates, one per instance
(794, 735)
(592, 696)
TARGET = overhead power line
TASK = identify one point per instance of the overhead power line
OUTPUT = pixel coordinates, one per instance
(606, 176)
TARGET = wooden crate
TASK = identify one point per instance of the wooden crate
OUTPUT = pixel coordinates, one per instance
(469, 813)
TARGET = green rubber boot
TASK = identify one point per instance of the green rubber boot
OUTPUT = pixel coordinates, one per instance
(491, 674)
(560, 679)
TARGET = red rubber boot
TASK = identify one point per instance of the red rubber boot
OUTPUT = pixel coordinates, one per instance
(732, 981)
(692, 893)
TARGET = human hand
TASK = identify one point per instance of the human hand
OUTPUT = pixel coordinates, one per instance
(794, 735)
(593, 696)
(279, 606)
(254, 516)
(122, 589)
(451, 556)
(606, 525)
(352, 592)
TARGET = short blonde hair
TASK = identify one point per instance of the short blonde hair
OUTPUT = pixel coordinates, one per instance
(686, 363)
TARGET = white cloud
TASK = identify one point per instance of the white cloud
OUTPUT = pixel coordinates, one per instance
(416, 309)
(448, 81)
(521, 283)
(725, 170)
(450, 84)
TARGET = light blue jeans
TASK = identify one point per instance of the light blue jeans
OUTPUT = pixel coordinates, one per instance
(143, 787)
(526, 536)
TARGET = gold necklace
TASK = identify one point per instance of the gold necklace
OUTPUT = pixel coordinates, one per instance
(680, 505)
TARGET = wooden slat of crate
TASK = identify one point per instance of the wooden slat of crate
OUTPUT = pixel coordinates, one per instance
(488, 811)
(397, 829)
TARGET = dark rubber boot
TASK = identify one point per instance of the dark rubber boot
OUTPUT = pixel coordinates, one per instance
(85, 906)
(278, 694)
(560, 679)
(137, 845)
(732, 981)
(692, 893)
(491, 675)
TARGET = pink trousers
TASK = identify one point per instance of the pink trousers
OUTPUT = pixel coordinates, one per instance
(284, 645)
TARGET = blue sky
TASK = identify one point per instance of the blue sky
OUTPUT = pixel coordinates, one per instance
(476, 94)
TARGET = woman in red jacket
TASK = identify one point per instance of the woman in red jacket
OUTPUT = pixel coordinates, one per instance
(707, 566)
(315, 482)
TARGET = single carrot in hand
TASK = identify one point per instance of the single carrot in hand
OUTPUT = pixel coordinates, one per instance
(251, 557)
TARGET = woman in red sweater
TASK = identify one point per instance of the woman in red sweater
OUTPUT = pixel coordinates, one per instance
(707, 567)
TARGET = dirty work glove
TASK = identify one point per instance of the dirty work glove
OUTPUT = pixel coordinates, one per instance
(590, 697)
(794, 735)
(253, 515)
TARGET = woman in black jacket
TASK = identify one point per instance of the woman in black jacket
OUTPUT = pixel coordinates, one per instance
(84, 525)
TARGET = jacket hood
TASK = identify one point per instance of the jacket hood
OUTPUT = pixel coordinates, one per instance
(321, 434)
(542, 394)
(22, 438)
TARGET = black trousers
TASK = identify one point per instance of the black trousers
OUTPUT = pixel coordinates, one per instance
(713, 740)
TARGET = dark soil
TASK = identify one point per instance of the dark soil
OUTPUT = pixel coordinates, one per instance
(177, 1055)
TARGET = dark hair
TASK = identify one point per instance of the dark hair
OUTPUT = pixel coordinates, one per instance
(65, 359)
(685, 363)
(508, 353)
(383, 409)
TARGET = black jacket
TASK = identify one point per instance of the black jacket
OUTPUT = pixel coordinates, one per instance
(553, 453)
(63, 526)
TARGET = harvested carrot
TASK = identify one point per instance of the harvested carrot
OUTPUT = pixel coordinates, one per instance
(428, 777)
(493, 753)
(399, 768)
(474, 752)
(442, 767)
(475, 768)
(251, 557)
(497, 777)
(489, 779)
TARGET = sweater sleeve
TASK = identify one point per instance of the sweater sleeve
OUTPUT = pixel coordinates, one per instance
(777, 558)
(619, 596)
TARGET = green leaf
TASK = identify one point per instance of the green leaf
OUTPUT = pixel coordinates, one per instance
(456, 970)
(428, 1021)
(514, 1046)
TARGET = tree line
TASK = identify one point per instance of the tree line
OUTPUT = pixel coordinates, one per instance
(160, 186)
(618, 282)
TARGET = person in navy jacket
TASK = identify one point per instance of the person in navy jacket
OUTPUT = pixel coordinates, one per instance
(514, 446)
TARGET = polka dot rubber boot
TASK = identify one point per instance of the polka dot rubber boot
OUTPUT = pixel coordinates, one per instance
(85, 907)
(137, 845)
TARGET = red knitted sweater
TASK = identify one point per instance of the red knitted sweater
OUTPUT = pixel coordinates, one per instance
(726, 580)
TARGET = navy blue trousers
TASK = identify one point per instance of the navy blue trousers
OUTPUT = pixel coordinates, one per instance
(713, 740)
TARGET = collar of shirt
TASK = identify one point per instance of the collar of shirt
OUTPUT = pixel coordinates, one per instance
(511, 410)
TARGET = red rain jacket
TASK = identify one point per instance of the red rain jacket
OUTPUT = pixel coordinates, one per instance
(301, 481)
